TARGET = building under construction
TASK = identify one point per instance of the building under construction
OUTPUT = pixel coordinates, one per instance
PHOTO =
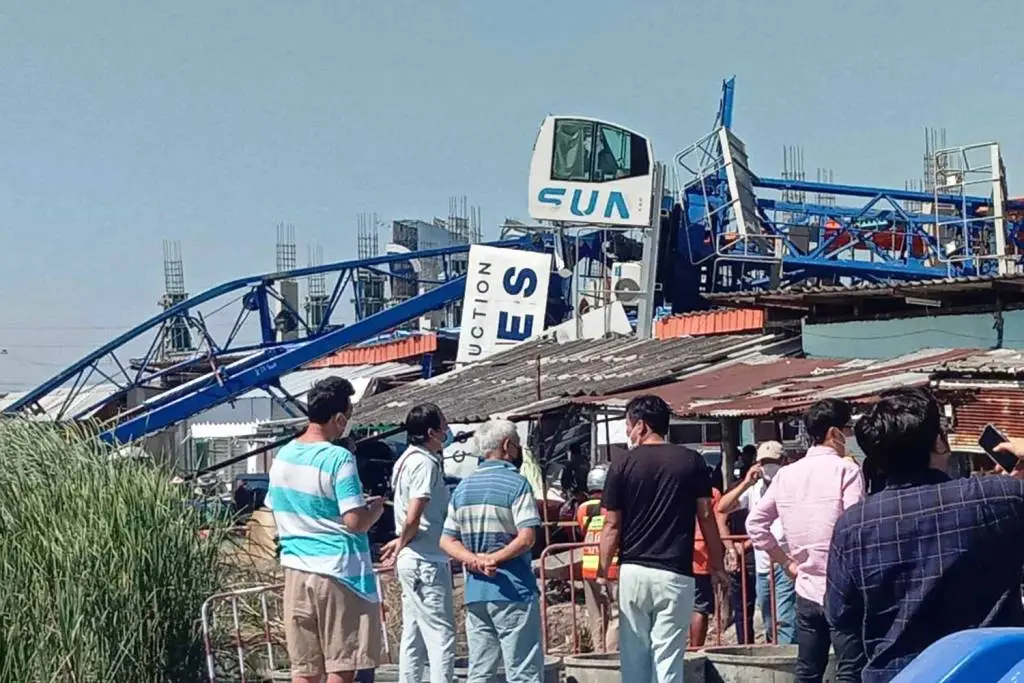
(377, 290)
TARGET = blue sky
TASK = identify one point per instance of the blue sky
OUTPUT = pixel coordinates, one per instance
(126, 123)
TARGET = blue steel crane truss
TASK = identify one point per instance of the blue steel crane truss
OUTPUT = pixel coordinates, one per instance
(738, 238)
(736, 241)
(221, 370)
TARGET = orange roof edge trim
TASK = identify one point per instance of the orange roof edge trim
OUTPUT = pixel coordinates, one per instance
(725, 321)
(377, 354)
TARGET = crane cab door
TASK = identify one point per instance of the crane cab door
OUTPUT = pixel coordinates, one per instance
(592, 172)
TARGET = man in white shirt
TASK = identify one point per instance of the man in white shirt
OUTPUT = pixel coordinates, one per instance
(422, 568)
(744, 496)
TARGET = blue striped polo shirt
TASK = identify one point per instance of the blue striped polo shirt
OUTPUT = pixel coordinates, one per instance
(312, 485)
(487, 510)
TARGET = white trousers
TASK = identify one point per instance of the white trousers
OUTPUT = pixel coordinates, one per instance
(428, 621)
(655, 606)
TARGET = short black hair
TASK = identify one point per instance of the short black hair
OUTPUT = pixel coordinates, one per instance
(652, 411)
(420, 420)
(327, 398)
(898, 433)
(824, 415)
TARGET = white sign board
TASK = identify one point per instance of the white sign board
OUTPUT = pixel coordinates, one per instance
(505, 301)
(594, 324)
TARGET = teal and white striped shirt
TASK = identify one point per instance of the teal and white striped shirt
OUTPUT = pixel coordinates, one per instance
(312, 485)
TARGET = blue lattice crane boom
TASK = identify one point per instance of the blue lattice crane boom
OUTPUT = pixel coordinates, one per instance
(222, 370)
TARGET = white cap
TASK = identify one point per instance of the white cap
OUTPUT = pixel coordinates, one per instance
(769, 450)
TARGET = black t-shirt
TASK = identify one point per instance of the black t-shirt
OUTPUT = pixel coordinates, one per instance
(655, 489)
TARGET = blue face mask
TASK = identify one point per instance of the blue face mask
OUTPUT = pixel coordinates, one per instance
(449, 439)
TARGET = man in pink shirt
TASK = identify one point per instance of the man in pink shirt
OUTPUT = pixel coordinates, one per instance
(808, 497)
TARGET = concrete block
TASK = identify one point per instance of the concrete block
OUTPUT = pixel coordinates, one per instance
(388, 673)
(604, 668)
(751, 664)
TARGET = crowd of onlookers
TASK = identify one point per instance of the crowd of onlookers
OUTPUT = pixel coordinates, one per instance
(870, 579)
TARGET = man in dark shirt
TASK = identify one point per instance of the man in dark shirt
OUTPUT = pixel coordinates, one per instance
(928, 555)
(653, 495)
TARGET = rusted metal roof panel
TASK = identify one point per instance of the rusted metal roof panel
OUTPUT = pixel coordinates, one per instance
(855, 380)
(974, 409)
(726, 382)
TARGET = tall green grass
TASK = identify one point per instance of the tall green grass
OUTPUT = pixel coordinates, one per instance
(102, 568)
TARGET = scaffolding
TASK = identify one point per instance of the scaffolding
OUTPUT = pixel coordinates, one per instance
(177, 335)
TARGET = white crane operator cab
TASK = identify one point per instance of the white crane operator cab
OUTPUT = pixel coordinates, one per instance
(590, 171)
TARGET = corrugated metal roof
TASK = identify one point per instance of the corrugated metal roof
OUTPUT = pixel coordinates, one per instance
(863, 288)
(298, 383)
(973, 410)
(222, 430)
(381, 351)
(514, 384)
(857, 379)
(994, 363)
(741, 378)
(727, 321)
(54, 401)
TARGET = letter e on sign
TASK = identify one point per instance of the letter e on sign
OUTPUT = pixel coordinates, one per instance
(513, 327)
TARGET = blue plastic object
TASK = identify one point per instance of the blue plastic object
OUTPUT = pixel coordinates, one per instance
(989, 655)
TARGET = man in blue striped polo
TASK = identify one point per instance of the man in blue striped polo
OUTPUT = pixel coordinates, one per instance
(331, 607)
(491, 528)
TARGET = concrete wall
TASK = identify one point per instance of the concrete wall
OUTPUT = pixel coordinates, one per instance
(891, 338)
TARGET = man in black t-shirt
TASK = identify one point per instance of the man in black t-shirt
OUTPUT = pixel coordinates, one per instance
(653, 495)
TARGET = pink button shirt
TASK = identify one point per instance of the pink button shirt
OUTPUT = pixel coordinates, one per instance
(807, 497)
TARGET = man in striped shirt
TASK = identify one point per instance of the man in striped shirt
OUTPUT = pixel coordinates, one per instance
(491, 528)
(331, 607)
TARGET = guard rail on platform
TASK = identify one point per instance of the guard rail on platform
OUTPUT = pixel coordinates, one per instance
(561, 564)
(251, 629)
(243, 629)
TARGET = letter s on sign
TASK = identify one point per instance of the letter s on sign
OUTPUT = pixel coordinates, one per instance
(525, 282)
(551, 195)
(514, 328)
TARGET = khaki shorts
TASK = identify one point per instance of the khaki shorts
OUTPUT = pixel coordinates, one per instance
(328, 627)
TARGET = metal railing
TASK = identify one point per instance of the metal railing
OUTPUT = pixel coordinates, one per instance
(236, 601)
(570, 573)
(253, 610)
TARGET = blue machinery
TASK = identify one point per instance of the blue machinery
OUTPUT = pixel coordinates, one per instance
(717, 235)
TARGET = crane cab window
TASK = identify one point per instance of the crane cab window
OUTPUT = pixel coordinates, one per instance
(591, 152)
(573, 150)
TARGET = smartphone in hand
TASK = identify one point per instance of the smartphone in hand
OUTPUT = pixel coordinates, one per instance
(992, 437)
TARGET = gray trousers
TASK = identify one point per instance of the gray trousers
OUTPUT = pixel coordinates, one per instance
(428, 620)
(508, 631)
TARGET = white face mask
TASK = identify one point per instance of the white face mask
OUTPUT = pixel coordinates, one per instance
(770, 470)
(630, 442)
(347, 429)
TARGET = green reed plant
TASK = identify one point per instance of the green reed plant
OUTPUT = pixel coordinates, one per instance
(102, 566)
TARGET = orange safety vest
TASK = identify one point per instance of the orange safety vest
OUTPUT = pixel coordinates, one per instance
(591, 521)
